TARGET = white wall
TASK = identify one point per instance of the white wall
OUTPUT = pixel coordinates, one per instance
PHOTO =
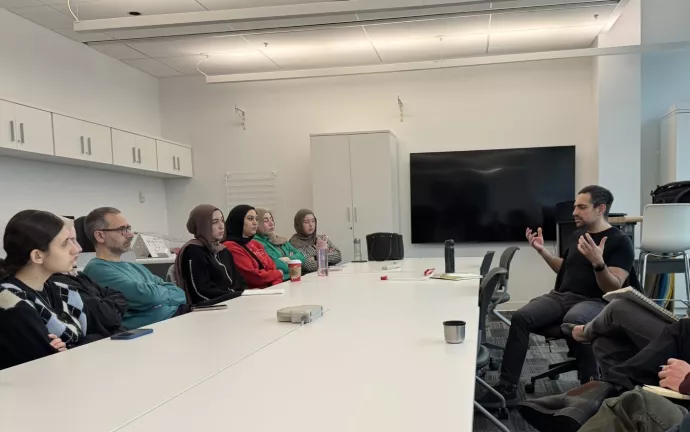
(47, 70)
(618, 99)
(501, 106)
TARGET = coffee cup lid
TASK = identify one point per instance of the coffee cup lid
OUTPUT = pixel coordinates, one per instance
(295, 262)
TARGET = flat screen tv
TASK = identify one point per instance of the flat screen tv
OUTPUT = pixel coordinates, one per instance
(489, 195)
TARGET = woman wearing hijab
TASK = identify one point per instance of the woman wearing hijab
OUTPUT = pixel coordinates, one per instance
(306, 238)
(277, 247)
(257, 268)
(205, 269)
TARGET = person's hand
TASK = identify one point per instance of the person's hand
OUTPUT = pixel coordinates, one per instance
(57, 343)
(536, 240)
(673, 374)
(285, 259)
(590, 250)
(323, 237)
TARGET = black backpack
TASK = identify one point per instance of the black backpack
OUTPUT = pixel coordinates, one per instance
(672, 193)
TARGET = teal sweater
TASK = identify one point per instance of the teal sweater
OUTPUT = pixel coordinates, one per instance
(276, 252)
(150, 298)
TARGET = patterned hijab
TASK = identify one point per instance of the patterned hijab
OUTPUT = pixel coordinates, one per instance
(302, 239)
(271, 236)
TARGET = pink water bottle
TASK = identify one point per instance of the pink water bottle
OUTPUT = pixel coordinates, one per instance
(322, 257)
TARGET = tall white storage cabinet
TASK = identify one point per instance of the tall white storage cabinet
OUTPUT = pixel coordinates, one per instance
(674, 151)
(355, 186)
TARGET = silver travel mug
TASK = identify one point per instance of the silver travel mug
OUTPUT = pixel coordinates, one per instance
(454, 331)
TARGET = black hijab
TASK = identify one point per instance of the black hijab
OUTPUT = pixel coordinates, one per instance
(234, 225)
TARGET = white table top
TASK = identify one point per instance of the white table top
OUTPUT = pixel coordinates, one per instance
(125, 385)
(375, 365)
(166, 260)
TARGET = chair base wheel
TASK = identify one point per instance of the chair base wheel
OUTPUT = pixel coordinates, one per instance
(529, 388)
(503, 414)
(554, 377)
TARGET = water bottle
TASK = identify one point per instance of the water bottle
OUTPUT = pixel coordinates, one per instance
(322, 257)
(450, 256)
(358, 250)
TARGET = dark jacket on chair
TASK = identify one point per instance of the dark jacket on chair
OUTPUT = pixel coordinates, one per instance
(104, 307)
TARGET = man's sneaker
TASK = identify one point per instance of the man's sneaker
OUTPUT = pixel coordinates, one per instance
(488, 399)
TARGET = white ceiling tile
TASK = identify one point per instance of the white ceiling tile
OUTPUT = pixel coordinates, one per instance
(450, 27)
(222, 64)
(192, 46)
(545, 19)
(431, 49)
(542, 40)
(45, 16)
(83, 37)
(170, 31)
(153, 67)
(19, 3)
(243, 4)
(64, 2)
(317, 48)
(119, 51)
(121, 8)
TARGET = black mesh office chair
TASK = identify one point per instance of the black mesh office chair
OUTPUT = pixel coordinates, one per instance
(486, 263)
(501, 295)
(82, 238)
(488, 286)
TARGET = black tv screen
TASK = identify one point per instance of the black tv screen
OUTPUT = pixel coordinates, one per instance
(489, 195)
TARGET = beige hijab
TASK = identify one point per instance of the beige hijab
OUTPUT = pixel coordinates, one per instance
(271, 236)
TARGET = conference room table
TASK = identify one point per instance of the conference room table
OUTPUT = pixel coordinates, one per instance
(375, 360)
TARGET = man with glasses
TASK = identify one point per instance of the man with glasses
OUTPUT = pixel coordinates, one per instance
(150, 298)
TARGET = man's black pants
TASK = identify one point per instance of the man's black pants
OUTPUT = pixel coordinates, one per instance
(542, 312)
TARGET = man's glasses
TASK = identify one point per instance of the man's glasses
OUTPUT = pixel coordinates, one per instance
(122, 230)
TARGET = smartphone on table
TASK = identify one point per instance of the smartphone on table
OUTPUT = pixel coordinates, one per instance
(209, 307)
(131, 334)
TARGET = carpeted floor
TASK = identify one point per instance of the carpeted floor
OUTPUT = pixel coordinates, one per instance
(538, 357)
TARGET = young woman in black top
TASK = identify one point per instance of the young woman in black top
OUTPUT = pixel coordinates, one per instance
(37, 317)
(205, 268)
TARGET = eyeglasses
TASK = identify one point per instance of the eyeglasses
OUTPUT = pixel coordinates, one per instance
(122, 230)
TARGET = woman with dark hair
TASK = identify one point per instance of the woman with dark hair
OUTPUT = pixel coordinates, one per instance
(37, 317)
(306, 238)
(204, 268)
(251, 259)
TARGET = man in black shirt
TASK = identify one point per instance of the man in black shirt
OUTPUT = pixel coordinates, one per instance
(598, 260)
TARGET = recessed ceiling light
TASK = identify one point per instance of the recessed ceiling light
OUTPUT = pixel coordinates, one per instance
(135, 13)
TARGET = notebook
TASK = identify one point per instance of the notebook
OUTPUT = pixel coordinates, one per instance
(457, 276)
(642, 300)
(664, 392)
(265, 291)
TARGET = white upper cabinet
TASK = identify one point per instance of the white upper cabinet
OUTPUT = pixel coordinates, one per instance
(35, 130)
(174, 159)
(77, 139)
(134, 151)
(8, 126)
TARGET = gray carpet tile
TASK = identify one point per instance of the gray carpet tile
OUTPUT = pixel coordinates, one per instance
(539, 356)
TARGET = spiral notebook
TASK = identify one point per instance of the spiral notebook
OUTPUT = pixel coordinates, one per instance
(642, 300)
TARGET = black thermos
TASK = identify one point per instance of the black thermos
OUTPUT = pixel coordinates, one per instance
(450, 256)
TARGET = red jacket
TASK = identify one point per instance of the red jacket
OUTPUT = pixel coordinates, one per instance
(249, 268)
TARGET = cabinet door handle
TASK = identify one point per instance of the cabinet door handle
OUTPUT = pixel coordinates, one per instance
(89, 145)
(134, 155)
(21, 133)
(179, 167)
(349, 214)
(12, 130)
(355, 213)
(81, 139)
(138, 155)
(174, 163)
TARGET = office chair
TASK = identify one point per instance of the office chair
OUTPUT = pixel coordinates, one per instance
(486, 263)
(488, 286)
(501, 295)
